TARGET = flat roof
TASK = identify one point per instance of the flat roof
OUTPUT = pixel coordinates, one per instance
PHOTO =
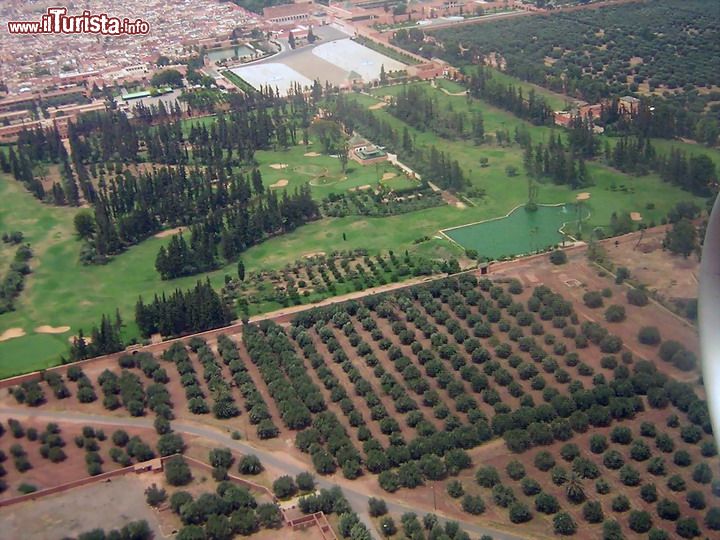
(135, 95)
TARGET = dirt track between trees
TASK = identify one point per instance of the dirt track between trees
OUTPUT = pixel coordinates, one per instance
(278, 460)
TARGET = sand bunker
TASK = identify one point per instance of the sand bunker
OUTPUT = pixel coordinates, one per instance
(170, 232)
(278, 166)
(312, 154)
(378, 106)
(12, 333)
(45, 329)
(460, 205)
(635, 216)
(389, 176)
(280, 183)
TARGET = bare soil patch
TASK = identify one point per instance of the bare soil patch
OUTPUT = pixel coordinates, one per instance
(314, 254)
(46, 329)
(671, 276)
(11, 333)
(80, 510)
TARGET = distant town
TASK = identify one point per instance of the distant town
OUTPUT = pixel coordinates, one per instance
(48, 79)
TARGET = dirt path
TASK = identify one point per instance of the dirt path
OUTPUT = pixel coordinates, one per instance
(432, 381)
(389, 366)
(260, 385)
(280, 460)
(342, 377)
(368, 375)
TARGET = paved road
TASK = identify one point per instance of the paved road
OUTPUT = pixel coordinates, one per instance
(278, 460)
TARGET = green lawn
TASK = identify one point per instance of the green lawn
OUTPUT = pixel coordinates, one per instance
(61, 291)
(323, 173)
(504, 193)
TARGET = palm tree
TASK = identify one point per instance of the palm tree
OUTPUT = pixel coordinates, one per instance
(574, 489)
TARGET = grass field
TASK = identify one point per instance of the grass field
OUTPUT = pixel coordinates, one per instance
(504, 193)
(323, 172)
(63, 292)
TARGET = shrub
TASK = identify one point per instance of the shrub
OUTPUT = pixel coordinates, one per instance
(558, 475)
(530, 487)
(656, 466)
(687, 528)
(712, 519)
(629, 476)
(558, 257)
(546, 503)
(455, 489)
(564, 525)
(612, 530)
(544, 461)
(640, 451)
(621, 435)
(602, 486)
(649, 335)
(250, 464)
(377, 507)
(668, 510)
(702, 473)
(177, 471)
(473, 504)
(640, 521)
(696, 500)
(676, 483)
(648, 493)
(155, 496)
(284, 487)
(487, 477)
(615, 313)
(593, 299)
(26, 488)
(389, 481)
(520, 513)
(503, 495)
(668, 350)
(515, 470)
(637, 297)
(598, 444)
(620, 504)
(613, 459)
(593, 512)
(681, 458)
(569, 451)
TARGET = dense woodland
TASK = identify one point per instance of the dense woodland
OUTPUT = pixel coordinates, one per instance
(194, 310)
(13, 282)
(532, 108)
(597, 54)
(203, 179)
